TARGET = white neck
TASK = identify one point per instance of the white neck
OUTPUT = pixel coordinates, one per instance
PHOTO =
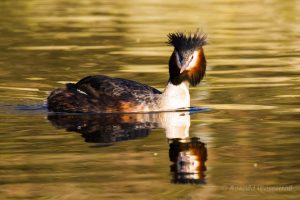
(175, 96)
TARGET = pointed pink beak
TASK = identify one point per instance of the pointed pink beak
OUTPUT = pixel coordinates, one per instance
(184, 67)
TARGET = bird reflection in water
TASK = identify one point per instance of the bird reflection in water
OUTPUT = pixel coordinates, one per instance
(103, 129)
(188, 155)
(188, 158)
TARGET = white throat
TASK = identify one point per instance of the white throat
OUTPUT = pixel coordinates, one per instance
(175, 96)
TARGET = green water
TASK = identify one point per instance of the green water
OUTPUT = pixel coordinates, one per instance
(249, 137)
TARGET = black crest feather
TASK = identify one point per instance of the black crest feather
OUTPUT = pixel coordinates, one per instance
(182, 41)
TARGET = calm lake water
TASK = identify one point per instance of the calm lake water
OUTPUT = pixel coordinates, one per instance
(242, 144)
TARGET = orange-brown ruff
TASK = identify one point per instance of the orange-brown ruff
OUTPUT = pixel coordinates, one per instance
(101, 94)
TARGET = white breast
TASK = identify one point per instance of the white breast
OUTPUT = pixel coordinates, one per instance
(175, 96)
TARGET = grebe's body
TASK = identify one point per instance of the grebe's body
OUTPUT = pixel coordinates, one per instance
(106, 94)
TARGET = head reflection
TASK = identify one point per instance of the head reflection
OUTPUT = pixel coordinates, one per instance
(188, 155)
(188, 158)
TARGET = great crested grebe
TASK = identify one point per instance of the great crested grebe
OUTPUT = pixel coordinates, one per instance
(103, 94)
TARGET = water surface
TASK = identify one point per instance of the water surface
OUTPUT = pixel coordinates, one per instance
(245, 147)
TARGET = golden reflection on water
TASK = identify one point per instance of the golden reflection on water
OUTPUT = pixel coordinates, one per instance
(252, 86)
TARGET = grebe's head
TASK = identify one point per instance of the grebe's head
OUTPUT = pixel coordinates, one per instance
(187, 62)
